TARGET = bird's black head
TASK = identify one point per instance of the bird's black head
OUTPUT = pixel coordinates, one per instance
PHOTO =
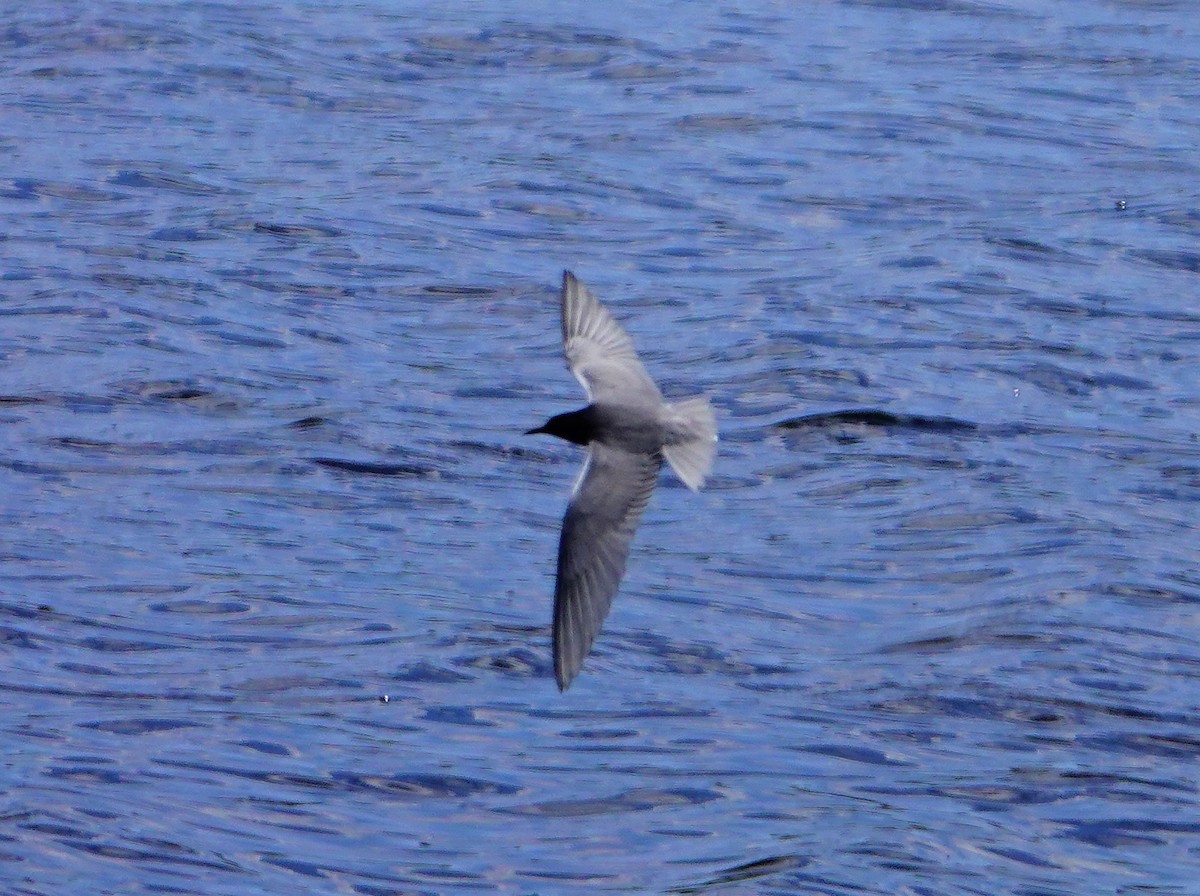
(576, 426)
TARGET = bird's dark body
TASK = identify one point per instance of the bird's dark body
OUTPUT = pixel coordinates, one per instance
(631, 429)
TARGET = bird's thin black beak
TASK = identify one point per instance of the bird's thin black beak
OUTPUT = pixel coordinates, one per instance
(534, 432)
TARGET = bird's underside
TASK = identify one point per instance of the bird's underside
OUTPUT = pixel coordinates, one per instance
(629, 430)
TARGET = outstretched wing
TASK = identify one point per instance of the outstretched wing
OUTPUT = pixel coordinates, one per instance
(596, 533)
(599, 352)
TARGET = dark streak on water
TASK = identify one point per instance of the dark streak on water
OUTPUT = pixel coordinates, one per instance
(879, 419)
(277, 298)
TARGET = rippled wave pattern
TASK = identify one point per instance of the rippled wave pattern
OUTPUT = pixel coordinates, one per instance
(278, 297)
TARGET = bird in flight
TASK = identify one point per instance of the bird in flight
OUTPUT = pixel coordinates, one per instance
(628, 429)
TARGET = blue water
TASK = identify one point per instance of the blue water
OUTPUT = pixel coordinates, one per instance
(279, 298)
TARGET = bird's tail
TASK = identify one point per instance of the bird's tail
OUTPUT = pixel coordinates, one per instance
(691, 442)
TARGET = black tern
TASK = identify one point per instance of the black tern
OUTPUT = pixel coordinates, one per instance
(628, 429)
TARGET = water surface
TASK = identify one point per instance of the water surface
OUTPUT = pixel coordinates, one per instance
(279, 297)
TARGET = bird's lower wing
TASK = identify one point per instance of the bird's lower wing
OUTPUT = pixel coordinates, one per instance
(596, 533)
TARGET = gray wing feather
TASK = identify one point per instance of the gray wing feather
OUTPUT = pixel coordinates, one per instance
(596, 534)
(599, 352)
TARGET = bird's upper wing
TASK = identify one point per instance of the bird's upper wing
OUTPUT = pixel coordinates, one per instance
(599, 352)
(596, 533)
